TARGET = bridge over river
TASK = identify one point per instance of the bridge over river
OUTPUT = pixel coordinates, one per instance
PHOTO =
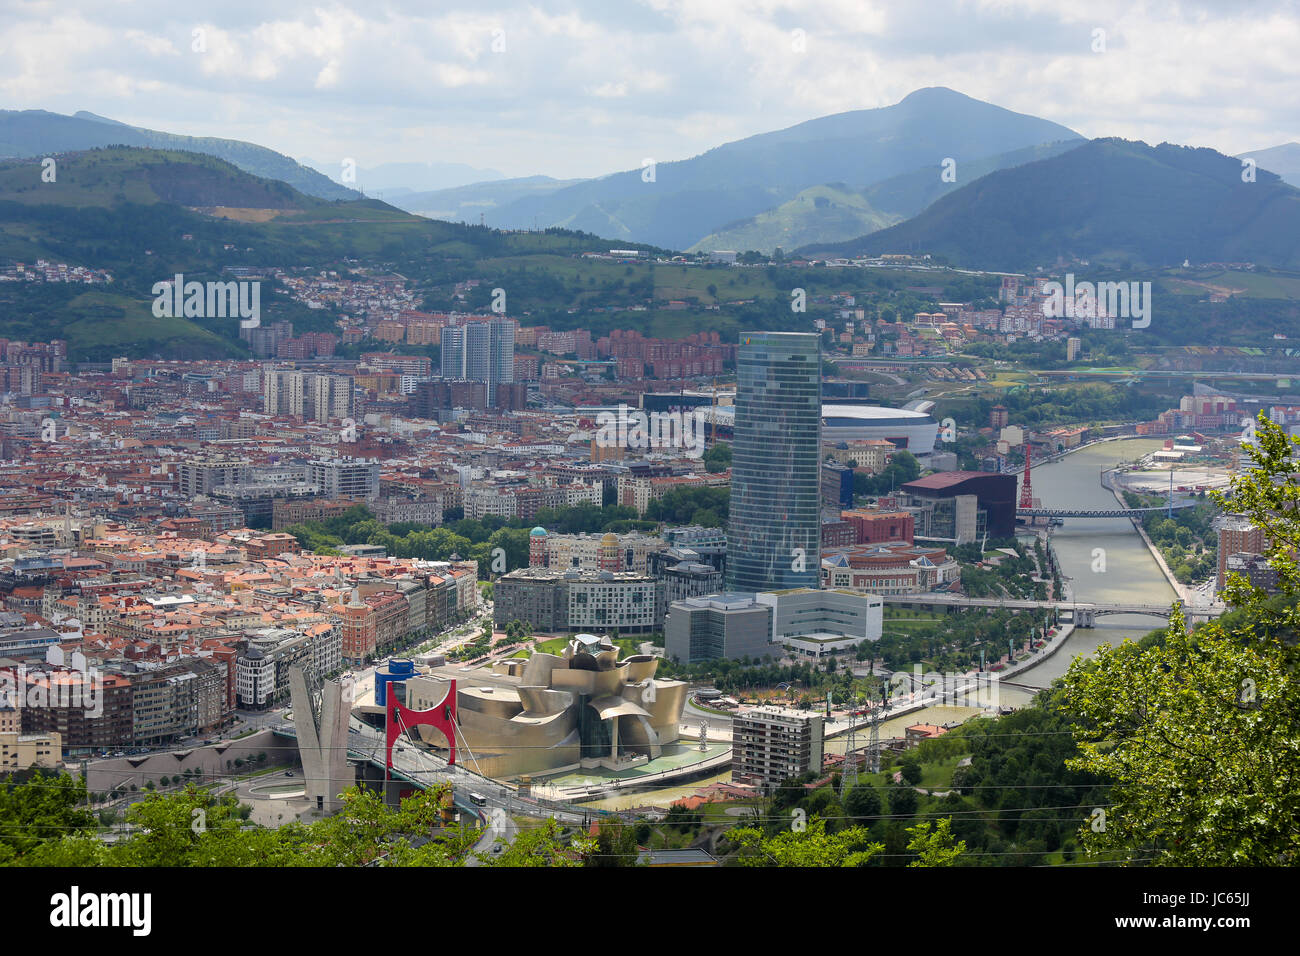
(1094, 513)
(1082, 614)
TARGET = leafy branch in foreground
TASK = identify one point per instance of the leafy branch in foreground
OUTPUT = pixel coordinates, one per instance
(193, 827)
(1201, 732)
(934, 847)
(810, 847)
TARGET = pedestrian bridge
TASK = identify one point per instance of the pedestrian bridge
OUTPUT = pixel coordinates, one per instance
(1081, 614)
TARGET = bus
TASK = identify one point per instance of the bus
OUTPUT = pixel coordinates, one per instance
(478, 799)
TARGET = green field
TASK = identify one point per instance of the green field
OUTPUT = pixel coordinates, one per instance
(1255, 285)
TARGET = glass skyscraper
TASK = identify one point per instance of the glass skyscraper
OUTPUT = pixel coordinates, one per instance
(774, 528)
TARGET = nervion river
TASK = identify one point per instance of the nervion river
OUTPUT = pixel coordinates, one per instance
(1130, 573)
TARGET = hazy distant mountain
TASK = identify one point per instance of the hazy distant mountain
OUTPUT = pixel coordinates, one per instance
(37, 133)
(690, 199)
(1283, 160)
(395, 179)
(1110, 201)
(836, 212)
(467, 203)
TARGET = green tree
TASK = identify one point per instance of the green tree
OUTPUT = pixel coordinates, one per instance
(615, 845)
(902, 801)
(718, 457)
(1201, 733)
(812, 846)
(863, 802)
(934, 847)
(40, 807)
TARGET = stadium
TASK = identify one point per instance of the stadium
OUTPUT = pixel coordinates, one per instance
(908, 428)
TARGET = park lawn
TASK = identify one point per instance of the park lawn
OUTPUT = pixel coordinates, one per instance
(938, 775)
(717, 812)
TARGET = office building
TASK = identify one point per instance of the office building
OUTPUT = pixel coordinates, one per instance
(816, 623)
(773, 533)
(730, 626)
(961, 507)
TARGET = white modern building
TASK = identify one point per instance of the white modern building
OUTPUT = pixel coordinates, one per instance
(908, 429)
(817, 623)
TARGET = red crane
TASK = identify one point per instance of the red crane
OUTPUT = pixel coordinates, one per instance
(1026, 488)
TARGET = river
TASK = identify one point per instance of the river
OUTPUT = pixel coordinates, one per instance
(1125, 572)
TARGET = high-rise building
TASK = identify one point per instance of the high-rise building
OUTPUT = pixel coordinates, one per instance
(480, 352)
(774, 529)
(313, 396)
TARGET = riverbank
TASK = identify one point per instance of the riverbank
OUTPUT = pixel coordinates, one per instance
(1065, 453)
(1183, 592)
(834, 728)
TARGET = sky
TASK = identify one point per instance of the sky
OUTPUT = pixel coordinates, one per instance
(589, 87)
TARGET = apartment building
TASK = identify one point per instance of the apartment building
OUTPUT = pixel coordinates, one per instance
(575, 600)
(352, 478)
(773, 744)
(21, 751)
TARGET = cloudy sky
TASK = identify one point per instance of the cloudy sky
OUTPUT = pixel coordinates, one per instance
(587, 87)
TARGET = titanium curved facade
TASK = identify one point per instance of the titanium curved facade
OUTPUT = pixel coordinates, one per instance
(583, 708)
(775, 470)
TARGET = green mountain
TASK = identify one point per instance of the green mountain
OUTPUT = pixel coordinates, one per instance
(1111, 202)
(836, 212)
(819, 213)
(37, 133)
(144, 215)
(694, 198)
(1283, 160)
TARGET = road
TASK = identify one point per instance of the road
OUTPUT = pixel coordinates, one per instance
(417, 764)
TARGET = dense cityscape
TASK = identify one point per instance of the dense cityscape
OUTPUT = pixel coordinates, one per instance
(883, 511)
